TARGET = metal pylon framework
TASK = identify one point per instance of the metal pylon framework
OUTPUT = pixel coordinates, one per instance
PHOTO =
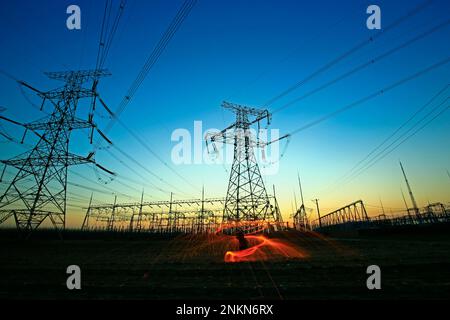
(247, 199)
(173, 216)
(354, 212)
(38, 189)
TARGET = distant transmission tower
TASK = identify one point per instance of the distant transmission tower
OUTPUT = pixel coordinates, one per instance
(300, 217)
(39, 189)
(411, 195)
(247, 199)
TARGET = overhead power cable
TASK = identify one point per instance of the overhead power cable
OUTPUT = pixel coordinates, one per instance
(394, 133)
(372, 96)
(406, 136)
(374, 157)
(107, 34)
(349, 52)
(306, 41)
(150, 62)
(182, 13)
(151, 151)
(159, 178)
(366, 64)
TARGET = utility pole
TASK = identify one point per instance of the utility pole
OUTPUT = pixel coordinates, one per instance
(139, 222)
(318, 211)
(202, 213)
(172, 220)
(112, 219)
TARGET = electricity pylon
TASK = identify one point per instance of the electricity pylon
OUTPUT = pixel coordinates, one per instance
(39, 188)
(247, 199)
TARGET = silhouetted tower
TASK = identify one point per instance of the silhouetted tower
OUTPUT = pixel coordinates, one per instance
(276, 208)
(300, 217)
(39, 189)
(247, 198)
(318, 212)
(382, 206)
(413, 200)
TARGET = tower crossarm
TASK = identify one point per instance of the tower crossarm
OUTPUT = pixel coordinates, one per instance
(260, 114)
(75, 123)
(62, 93)
(221, 136)
(69, 159)
(79, 76)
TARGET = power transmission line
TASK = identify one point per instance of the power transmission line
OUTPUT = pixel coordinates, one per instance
(150, 150)
(113, 192)
(399, 129)
(371, 96)
(371, 158)
(313, 36)
(96, 182)
(349, 52)
(126, 155)
(142, 183)
(105, 44)
(403, 141)
(366, 64)
(152, 59)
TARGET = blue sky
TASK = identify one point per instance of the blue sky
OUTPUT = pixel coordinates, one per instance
(246, 52)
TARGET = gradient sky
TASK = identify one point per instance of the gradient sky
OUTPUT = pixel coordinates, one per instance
(245, 52)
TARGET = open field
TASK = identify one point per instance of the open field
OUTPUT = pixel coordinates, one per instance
(191, 267)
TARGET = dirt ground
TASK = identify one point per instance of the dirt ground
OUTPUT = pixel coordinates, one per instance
(193, 267)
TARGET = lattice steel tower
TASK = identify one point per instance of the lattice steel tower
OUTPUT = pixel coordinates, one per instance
(247, 199)
(39, 189)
